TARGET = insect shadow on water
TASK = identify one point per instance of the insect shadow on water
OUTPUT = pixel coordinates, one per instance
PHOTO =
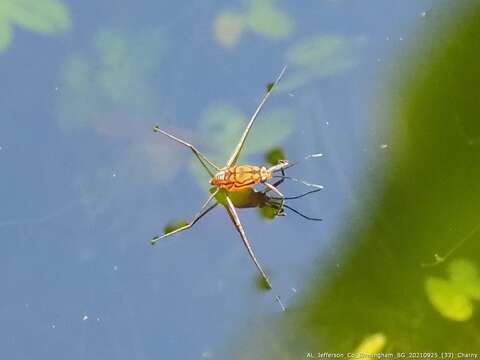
(232, 179)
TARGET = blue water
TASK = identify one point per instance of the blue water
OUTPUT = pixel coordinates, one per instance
(85, 183)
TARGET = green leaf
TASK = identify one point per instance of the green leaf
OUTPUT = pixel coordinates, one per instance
(264, 18)
(228, 28)
(174, 225)
(274, 155)
(224, 124)
(268, 212)
(113, 77)
(271, 130)
(465, 277)
(6, 34)
(447, 300)
(319, 56)
(261, 283)
(43, 16)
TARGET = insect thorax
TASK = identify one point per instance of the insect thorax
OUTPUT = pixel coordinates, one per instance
(240, 177)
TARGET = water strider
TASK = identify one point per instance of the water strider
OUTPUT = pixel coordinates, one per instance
(233, 178)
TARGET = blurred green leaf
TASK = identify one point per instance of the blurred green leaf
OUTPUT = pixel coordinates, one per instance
(464, 276)
(261, 283)
(267, 212)
(319, 56)
(41, 16)
(220, 197)
(274, 155)
(447, 300)
(372, 344)
(174, 225)
(266, 19)
(262, 17)
(228, 28)
(115, 76)
(224, 124)
(272, 129)
(452, 297)
(6, 34)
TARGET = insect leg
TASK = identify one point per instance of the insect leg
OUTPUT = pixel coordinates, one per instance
(278, 182)
(238, 225)
(197, 153)
(203, 211)
(236, 153)
(282, 197)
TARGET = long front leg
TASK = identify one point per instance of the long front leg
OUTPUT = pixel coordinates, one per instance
(203, 211)
(202, 158)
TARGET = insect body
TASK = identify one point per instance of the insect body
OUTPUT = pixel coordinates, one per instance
(241, 177)
(235, 178)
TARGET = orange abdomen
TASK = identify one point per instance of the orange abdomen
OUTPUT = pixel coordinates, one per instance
(237, 178)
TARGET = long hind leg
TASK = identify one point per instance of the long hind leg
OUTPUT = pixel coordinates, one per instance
(238, 225)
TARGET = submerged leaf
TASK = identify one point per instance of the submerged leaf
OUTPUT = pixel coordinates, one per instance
(372, 344)
(453, 297)
(274, 155)
(261, 283)
(114, 76)
(224, 124)
(174, 225)
(465, 277)
(228, 28)
(264, 18)
(320, 56)
(43, 16)
(268, 212)
(447, 300)
(261, 17)
(272, 130)
(5, 34)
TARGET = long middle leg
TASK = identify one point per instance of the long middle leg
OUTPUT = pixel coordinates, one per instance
(203, 211)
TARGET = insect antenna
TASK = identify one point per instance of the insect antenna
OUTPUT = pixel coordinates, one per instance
(295, 197)
(299, 161)
(319, 187)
